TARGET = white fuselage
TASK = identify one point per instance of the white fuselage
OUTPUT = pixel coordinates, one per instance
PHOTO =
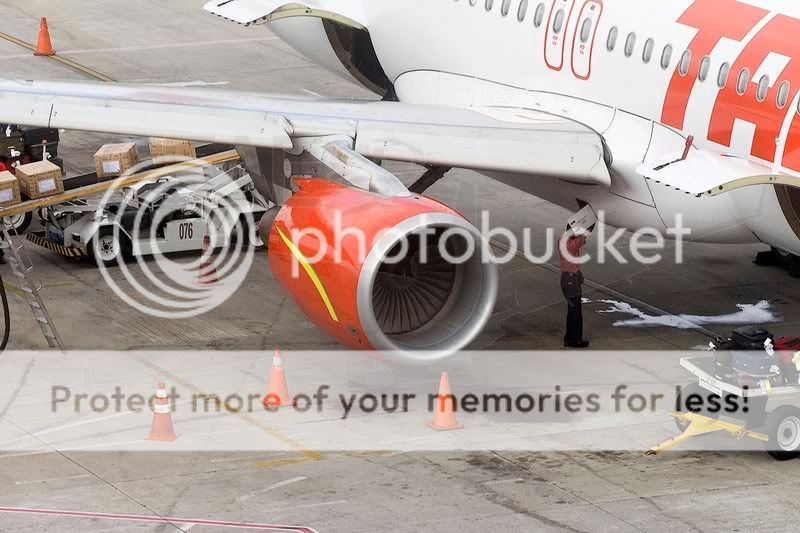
(642, 99)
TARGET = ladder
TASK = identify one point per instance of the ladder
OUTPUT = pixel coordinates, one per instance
(22, 267)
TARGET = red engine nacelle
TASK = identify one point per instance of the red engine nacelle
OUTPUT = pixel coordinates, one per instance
(378, 272)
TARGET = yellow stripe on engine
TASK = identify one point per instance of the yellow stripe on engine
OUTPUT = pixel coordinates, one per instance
(311, 274)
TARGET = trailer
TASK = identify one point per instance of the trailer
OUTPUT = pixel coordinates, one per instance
(767, 412)
(60, 213)
(75, 198)
(222, 208)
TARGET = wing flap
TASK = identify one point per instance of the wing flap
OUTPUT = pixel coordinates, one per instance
(574, 155)
(249, 12)
(243, 11)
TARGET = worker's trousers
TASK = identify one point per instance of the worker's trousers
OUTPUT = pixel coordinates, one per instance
(571, 287)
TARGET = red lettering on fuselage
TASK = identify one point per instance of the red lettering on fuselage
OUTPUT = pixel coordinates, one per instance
(766, 116)
(714, 19)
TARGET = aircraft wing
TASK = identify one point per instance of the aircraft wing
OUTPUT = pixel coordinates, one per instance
(494, 139)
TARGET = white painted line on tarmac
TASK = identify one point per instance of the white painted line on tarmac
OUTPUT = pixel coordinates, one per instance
(51, 479)
(274, 486)
(307, 506)
(156, 519)
(501, 481)
(66, 426)
(312, 93)
(25, 454)
(56, 429)
(196, 83)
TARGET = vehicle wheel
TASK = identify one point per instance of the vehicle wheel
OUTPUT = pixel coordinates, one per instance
(107, 248)
(19, 223)
(692, 389)
(783, 429)
(249, 233)
(41, 213)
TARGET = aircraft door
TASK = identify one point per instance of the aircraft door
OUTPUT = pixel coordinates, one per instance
(584, 38)
(556, 34)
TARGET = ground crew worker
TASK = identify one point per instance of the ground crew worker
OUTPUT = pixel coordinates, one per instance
(569, 250)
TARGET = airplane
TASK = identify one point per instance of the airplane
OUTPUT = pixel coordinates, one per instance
(645, 109)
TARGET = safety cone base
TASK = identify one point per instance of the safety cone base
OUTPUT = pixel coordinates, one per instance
(162, 438)
(451, 427)
(273, 404)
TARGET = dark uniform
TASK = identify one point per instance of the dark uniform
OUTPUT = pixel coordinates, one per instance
(571, 286)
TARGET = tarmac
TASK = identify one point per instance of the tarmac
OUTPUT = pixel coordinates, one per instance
(401, 487)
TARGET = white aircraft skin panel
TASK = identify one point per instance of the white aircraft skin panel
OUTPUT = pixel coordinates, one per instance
(512, 53)
(772, 67)
(742, 140)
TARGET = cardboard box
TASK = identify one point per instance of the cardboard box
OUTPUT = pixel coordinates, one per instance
(581, 221)
(40, 179)
(172, 148)
(113, 160)
(9, 189)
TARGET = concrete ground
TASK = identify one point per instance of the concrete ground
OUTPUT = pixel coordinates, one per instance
(176, 42)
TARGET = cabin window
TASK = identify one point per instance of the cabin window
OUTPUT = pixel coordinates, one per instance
(686, 62)
(744, 79)
(505, 7)
(783, 94)
(705, 66)
(611, 43)
(666, 57)
(538, 17)
(522, 11)
(586, 30)
(724, 74)
(630, 44)
(489, 5)
(647, 52)
(763, 88)
(558, 21)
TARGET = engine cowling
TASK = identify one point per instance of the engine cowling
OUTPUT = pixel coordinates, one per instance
(401, 291)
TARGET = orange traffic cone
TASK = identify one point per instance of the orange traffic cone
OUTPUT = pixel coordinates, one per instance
(444, 414)
(207, 273)
(277, 391)
(162, 429)
(45, 46)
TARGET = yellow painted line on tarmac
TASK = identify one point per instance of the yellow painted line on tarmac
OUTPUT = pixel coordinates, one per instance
(18, 292)
(305, 454)
(63, 60)
(306, 457)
